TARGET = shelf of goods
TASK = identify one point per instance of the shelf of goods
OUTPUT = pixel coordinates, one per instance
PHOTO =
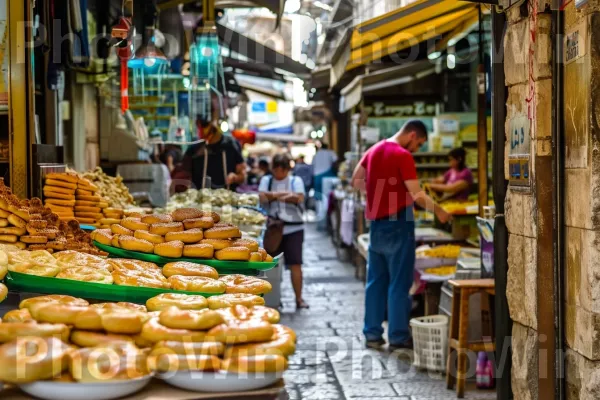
(223, 344)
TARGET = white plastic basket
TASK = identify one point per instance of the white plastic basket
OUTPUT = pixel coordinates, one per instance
(430, 338)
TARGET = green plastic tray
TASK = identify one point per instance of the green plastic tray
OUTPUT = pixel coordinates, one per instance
(87, 290)
(229, 267)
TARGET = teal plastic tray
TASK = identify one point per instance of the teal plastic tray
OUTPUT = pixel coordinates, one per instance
(87, 290)
(228, 267)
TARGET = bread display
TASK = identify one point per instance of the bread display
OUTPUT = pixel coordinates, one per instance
(113, 342)
(111, 188)
(186, 232)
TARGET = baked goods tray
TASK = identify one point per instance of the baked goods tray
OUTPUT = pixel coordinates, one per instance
(88, 290)
(229, 267)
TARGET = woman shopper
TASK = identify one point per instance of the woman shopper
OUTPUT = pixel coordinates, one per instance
(282, 194)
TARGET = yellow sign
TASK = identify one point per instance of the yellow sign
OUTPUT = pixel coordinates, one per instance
(271, 106)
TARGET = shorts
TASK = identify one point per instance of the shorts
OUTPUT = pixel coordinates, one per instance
(291, 247)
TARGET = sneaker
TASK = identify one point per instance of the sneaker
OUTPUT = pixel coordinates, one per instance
(407, 344)
(375, 344)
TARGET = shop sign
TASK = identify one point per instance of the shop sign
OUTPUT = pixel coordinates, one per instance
(259, 106)
(519, 150)
(575, 43)
(413, 109)
(369, 134)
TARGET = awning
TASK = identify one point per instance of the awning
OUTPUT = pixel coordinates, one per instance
(351, 94)
(406, 27)
(340, 58)
(262, 54)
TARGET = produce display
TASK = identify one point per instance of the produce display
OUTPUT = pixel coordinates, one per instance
(441, 271)
(27, 224)
(69, 341)
(446, 251)
(184, 276)
(212, 197)
(185, 232)
(111, 188)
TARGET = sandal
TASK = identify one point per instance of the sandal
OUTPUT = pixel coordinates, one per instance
(301, 305)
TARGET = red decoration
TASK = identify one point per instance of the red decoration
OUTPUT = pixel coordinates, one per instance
(244, 136)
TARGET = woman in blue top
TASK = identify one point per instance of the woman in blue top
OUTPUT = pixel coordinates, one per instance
(282, 195)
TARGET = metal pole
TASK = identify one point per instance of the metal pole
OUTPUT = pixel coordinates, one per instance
(482, 142)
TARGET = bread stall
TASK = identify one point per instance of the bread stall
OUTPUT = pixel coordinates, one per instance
(171, 300)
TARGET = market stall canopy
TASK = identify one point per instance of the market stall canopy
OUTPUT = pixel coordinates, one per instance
(257, 52)
(275, 6)
(388, 77)
(407, 26)
(268, 87)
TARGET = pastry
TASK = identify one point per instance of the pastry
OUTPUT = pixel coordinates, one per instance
(89, 198)
(109, 221)
(113, 210)
(121, 305)
(63, 176)
(141, 279)
(126, 264)
(115, 240)
(59, 209)
(17, 221)
(198, 251)
(58, 189)
(249, 331)
(162, 228)
(268, 258)
(217, 244)
(201, 223)
(54, 195)
(39, 262)
(84, 203)
(82, 192)
(252, 245)
(245, 284)
(86, 209)
(92, 339)
(54, 299)
(131, 243)
(200, 320)
(151, 237)
(153, 331)
(215, 217)
(82, 220)
(86, 274)
(15, 330)
(173, 249)
(283, 343)
(115, 320)
(55, 182)
(233, 254)
(196, 284)
(263, 253)
(3, 293)
(103, 236)
(189, 269)
(182, 214)
(225, 232)
(113, 361)
(60, 202)
(55, 313)
(189, 236)
(255, 257)
(120, 230)
(242, 313)
(179, 300)
(233, 299)
(166, 362)
(30, 239)
(29, 359)
(135, 224)
(267, 363)
(183, 348)
(70, 259)
(156, 219)
(9, 238)
(19, 315)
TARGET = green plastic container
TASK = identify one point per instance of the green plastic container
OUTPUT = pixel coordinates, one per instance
(87, 290)
(225, 267)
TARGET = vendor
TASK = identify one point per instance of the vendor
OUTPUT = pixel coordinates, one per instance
(456, 182)
(225, 165)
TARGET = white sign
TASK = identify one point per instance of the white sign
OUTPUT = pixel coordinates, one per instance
(575, 43)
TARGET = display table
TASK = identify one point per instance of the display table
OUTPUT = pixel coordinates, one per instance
(158, 390)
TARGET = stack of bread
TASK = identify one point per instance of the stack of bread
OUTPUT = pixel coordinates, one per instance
(68, 340)
(27, 224)
(111, 188)
(186, 232)
(183, 276)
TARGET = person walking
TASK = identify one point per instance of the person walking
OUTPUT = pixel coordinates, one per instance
(387, 173)
(323, 166)
(282, 195)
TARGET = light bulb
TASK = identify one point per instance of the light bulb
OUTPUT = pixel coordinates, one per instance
(224, 126)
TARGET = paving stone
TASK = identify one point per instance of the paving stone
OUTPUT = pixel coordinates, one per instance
(303, 375)
(361, 390)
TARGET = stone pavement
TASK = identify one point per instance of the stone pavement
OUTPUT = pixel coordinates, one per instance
(331, 361)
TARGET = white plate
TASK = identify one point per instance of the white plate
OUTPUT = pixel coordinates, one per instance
(220, 381)
(50, 390)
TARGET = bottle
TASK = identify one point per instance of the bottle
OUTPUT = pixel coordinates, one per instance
(482, 373)
(490, 372)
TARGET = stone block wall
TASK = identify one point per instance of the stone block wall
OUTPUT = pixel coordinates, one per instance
(528, 77)
(582, 213)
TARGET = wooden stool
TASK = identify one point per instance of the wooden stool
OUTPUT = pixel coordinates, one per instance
(459, 330)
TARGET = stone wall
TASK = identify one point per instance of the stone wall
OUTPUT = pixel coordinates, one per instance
(527, 67)
(582, 214)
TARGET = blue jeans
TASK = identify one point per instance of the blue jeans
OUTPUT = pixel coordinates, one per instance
(390, 277)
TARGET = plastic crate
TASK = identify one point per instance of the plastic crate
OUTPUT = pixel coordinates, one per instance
(430, 338)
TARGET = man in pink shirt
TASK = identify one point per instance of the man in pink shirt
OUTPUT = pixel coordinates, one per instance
(387, 173)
